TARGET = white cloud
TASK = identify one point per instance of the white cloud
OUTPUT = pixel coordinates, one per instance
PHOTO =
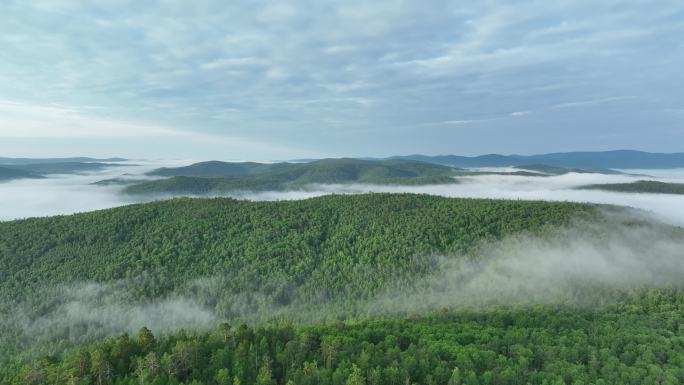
(249, 63)
(23, 120)
(520, 113)
(36, 123)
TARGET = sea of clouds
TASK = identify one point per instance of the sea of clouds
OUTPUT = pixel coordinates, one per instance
(67, 194)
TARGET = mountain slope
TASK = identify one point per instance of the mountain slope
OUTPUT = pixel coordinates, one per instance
(245, 260)
(213, 169)
(642, 186)
(220, 177)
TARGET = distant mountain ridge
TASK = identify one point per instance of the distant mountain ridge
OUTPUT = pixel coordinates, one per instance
(24, 161)
(36, 168)
(7, 174)
(217, 177)
(621, 159)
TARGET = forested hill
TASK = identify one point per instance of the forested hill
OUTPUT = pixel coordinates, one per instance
(64, 281)
(221, 177)
(642, 186)
(253, 258)
(187, 238)
(332, 169)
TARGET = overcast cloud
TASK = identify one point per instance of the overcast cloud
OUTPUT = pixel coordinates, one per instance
(267, 80)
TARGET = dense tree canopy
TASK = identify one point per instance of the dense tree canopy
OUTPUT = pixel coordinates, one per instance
(639, 343)
(321, 254)
(222, 177)
(257, 256)
(642, 186)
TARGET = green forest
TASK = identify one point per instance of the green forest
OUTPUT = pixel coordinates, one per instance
(222, 177)
(215, 177)
(642, 186)
(293, 278)
(639, 343)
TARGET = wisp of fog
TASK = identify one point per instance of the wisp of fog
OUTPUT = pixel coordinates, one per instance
(587, 264)
(584, 264)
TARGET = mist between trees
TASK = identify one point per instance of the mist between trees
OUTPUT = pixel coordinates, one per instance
(584, 264)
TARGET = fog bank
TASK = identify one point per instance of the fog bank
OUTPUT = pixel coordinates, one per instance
(88, 311)
(67, 194)
(589, 264)
(668, 207)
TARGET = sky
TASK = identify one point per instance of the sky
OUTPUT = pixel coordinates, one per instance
(264, 80)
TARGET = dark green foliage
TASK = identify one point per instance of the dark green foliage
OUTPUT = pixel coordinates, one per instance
(190, 238)
(345, 248)
(333, 249)
(640, 342)
(221, 177)
(642, 186)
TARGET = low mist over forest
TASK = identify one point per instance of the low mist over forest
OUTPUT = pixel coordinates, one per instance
(339, 264)
(126, 182)
(350, 192)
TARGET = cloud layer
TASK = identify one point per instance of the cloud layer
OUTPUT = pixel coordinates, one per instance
(341, 78)
(74, 193)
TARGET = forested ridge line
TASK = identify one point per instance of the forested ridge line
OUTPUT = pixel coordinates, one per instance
(189, 238)
(317, 255)
(221, 177)
(64, 279)
(641, 186)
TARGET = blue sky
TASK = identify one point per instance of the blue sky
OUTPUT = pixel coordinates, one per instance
(291, 79)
